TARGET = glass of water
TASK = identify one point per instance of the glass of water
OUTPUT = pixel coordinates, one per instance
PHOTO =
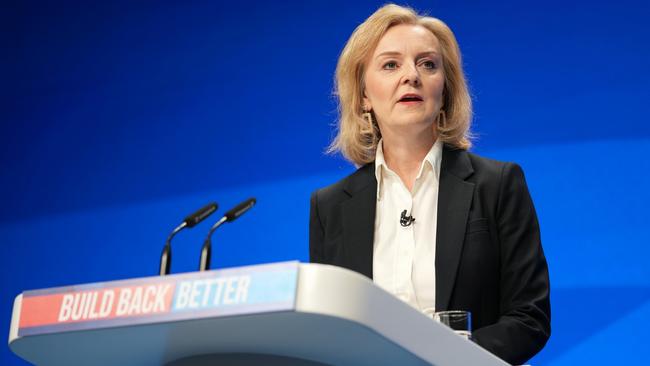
(458, 320)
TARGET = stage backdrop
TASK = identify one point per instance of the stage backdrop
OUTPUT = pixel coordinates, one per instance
(119, 118)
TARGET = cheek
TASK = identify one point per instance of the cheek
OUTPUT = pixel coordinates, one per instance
(377, 90)
(439, 83)
(437, 89)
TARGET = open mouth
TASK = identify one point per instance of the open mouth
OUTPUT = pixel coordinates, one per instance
(410, 98)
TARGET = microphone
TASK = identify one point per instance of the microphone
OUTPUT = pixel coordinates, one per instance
(232, 215)
(190, 221)
(406, 220)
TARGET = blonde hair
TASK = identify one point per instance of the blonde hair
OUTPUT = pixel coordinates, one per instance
(356, 139)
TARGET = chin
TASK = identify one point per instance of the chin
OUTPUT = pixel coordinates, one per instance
(411, 126)
(414, 119)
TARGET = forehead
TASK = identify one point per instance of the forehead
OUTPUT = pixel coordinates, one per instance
(403, 37)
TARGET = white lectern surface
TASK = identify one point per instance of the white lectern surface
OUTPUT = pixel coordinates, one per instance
(289, 311)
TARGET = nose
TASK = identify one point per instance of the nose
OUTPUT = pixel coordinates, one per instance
(411, 75)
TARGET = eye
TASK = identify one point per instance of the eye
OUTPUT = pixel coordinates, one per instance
(429, 65)
(390, 65)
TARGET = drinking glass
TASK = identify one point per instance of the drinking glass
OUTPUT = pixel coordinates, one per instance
(458, 320)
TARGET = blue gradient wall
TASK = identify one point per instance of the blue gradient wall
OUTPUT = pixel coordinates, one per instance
(118, 118)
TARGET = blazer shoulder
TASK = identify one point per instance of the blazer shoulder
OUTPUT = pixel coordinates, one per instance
(499, 179)
(486, 165)
(492, 169)
(344, 188)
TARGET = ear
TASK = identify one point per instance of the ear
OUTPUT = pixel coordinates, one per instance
(365, 103)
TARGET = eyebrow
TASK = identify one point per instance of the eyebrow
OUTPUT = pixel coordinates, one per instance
(396, 53)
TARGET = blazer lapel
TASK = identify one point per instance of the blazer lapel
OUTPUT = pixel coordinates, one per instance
(359, 220)
(454, 202)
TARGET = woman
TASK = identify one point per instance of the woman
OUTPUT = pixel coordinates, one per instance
(435, 225)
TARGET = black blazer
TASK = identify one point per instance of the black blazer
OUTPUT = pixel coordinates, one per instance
(489, 258)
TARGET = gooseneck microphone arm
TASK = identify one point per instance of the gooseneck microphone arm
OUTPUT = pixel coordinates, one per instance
(232, 215)
(166, 256)
(189, 222)
(206, 250)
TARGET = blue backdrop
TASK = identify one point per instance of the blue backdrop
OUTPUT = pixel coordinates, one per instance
(119, 118)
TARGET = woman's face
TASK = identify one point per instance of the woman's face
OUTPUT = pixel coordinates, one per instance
(404, 79)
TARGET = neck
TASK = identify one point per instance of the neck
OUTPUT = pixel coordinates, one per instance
(404, 154)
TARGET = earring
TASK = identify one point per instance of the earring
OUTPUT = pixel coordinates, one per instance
(369, 127)
(442, 119)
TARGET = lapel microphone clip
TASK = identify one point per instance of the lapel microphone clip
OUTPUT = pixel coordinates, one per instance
(406, 220)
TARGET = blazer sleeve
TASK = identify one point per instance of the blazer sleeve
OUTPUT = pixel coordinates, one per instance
(316, 232)
(525, 322)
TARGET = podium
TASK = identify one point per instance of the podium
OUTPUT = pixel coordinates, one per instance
(286, 313)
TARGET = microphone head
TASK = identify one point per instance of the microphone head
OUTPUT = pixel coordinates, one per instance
(239, 210)
(200, 215)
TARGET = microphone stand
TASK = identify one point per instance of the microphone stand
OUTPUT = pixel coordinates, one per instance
(206, 250)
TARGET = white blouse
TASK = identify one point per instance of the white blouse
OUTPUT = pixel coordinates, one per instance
(404, 257)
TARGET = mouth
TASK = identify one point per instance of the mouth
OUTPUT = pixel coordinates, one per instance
(410, 98)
